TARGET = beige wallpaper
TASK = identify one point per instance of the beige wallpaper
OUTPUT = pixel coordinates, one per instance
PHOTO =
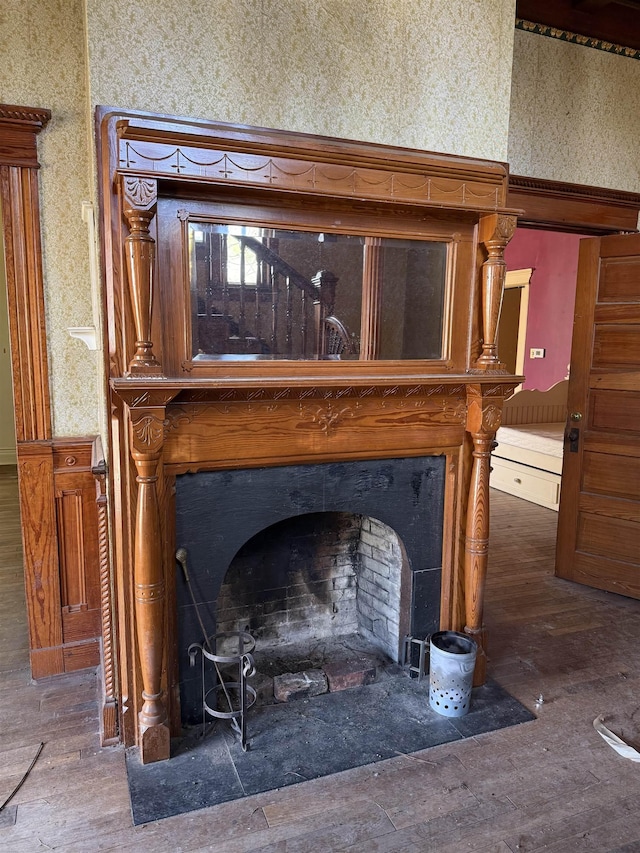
(419, 73)
(42, 47)
(575, 114)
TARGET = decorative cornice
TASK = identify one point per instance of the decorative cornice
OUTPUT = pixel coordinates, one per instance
(19, 127)
(215, 153)
(35, 118)
(621, 198)
(575, 38)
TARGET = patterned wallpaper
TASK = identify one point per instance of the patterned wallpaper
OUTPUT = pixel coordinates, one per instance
(417, 73)
(42, 46)
(575, 114)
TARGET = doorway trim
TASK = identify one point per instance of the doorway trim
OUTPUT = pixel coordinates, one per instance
(574, 208)
(20, 203)
(520, 279)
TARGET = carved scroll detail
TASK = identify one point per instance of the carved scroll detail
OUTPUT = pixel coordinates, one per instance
(139, 204)
(495, 232)
(326, 417)
(148, 430)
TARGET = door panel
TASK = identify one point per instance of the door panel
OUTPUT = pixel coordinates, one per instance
(616, 411)
(616, 476)
(599, 518)
(618, 280)
(616, 346)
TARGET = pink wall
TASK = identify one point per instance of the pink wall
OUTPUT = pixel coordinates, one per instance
(554, 259)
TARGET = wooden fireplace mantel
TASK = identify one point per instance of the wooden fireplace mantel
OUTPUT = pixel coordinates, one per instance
(174, 414)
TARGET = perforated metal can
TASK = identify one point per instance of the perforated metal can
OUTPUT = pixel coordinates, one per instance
(452, 658)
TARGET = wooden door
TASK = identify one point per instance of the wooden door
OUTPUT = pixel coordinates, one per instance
(599, 518)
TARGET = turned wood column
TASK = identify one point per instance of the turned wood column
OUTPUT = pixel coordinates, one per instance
(495, 232)
(146, 437)
(140, 197)
(483, 419)
(372, 272)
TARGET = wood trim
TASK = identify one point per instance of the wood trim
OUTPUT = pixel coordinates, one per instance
(109, 718)
(182, 150)
(572, 207)
(19, 127)
(19, 202)
(58, 524)
(25, 296)
(520, 279)
(40, 543)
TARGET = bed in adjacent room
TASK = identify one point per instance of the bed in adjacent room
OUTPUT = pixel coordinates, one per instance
(527, 462)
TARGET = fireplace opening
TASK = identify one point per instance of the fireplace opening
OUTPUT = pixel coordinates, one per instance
(316, 576)
(327, 566)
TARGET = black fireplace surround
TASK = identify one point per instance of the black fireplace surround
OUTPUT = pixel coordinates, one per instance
(217, 512)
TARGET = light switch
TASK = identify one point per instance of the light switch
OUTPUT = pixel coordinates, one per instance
(536, 352)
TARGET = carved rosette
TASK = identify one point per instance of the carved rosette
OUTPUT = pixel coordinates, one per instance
(139, 206)
(495, 232)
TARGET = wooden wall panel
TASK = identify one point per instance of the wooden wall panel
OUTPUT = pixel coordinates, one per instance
(60, 538)
(40, 543)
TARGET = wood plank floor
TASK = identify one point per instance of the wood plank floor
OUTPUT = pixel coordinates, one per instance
(551, 785)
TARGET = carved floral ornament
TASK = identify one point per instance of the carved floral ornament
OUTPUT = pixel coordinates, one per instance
(140, 192)
(491, 417)
(148, 432)
(326, 417)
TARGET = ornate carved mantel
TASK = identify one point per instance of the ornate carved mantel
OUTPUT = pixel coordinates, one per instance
(177, 409)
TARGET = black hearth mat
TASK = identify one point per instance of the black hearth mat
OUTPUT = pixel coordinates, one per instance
(307, 739)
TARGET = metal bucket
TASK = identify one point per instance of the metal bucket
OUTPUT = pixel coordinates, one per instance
(452, 661)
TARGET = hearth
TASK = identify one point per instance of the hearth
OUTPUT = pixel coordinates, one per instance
(307, 553)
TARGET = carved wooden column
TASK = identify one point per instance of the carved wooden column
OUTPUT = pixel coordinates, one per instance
(146, 439)
(495, 232)
(483, 419)
(140, 197)
(372, 272)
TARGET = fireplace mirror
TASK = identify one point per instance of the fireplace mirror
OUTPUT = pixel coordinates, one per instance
(276, 293)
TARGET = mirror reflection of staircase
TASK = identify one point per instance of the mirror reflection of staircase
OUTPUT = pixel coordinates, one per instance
(252, 302)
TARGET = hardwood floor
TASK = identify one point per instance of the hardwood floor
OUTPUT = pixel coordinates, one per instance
(551, 785)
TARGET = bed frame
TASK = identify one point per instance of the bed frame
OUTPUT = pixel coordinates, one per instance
(529, 473)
